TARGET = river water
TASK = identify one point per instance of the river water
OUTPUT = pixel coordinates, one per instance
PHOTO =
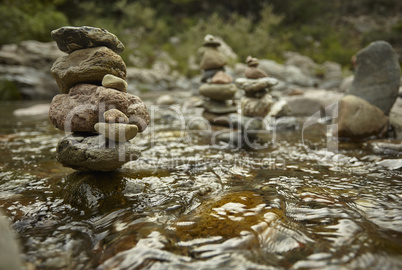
(294, 200)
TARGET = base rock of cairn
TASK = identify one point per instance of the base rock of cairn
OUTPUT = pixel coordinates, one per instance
(94, 103)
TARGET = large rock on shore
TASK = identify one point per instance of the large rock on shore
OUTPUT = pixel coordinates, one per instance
(84, 105)
(70, 38)
(358, 119)
(377, 76)
(94, 153)
(87, 66)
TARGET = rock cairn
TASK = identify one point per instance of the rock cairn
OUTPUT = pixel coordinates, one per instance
(94, 104)
(218, 87)
(257, 101)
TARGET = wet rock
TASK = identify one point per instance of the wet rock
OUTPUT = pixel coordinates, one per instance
(219, 107)
(115, 116)
(165, 100)
(391, 164)
(377, 75)
(117, 131)
(255, 85)
(280, 109)
(221, 78)
(70, 38)
(10, 257)
(87, 66)
(94, 153)
(218, 92)
(386, 148)
(81, 108)
(358, 119)
(256, 107)
(111, 81)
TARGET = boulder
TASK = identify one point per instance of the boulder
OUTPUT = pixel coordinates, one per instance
(358, 119)
(256, 107)
(377, 75)
(70, 38)
(94, 153)
(87, 66)
(84, 105)
(218, 92)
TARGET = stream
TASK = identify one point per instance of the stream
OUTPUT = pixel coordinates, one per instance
(287, 201)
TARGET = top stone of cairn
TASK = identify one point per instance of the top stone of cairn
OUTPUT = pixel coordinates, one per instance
(70, 38)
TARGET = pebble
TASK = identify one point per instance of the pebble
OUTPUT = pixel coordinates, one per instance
(117, 131)
(221, 78)
(114, 82)
(165, 100)
(115, 116)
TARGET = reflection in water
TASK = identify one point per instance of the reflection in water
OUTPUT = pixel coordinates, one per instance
(187, 204)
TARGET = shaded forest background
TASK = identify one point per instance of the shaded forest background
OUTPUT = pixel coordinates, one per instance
(173, 30)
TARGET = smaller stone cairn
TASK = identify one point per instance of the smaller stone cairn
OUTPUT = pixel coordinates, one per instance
(94, 104)
(218, 87)
(256, 103)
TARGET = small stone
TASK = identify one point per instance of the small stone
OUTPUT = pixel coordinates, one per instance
(114, 82)
(117, 131)
(210, 40)
(208, 74)
(70, 38)
(256, 107)
(94, 153)
(219, 107)
(221, 78)
(218, 92)
(254, 73)
(252, 62)
(87, 66)
(115, 116)
(165, 100)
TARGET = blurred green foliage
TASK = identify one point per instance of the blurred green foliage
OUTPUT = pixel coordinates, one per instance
(173, 30)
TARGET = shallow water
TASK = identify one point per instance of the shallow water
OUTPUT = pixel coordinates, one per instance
(192, 202)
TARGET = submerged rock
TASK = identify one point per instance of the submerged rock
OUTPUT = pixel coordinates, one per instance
(70, 38)
(92, 152)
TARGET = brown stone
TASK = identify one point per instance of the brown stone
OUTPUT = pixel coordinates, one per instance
(111, 81)
(254, 73)
(212, 59)
(84, 105)
(87, 66)
(221, 78)
(358, 119)
(218, 92)
(115, 116)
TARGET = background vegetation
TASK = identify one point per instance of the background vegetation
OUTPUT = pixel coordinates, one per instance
(173, 30)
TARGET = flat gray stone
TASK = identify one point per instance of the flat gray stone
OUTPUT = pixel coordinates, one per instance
(85, 152)
(70, 38)
(218, 92)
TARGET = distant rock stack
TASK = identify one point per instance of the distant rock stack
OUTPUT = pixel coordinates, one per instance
(94, 104)
(257, 85)
(218, 87)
